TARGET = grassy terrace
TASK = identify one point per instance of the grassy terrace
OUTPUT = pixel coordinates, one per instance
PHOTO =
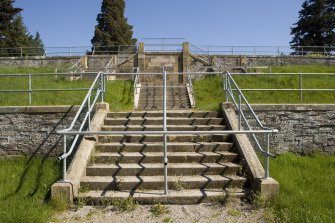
(209, 92)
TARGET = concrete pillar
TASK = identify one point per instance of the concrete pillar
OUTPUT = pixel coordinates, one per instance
(186, 59)
(141, 57)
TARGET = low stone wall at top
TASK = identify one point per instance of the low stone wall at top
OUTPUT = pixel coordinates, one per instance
(32, 130)
(303, 129)
(63, 61)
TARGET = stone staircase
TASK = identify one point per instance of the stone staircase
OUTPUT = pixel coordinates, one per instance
(200, 169)
(151, 97)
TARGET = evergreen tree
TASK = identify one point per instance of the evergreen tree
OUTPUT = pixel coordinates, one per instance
(113, 28)
(14, 34)
(315, 27)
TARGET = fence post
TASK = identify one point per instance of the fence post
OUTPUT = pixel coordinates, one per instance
(29, 88)
(300, 86)
(226, 81)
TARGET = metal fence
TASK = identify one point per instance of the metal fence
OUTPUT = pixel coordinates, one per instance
(66, 51)
(44, 89)
(299, 85)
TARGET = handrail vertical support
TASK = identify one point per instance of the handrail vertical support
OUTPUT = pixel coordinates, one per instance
(239, 112)
(89, 111)
(226, 84)
(267, 157)
(64, 160)
(166, 189)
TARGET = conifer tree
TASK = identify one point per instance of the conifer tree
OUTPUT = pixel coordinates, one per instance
(14, 34)
(112, 28)
(315, 27)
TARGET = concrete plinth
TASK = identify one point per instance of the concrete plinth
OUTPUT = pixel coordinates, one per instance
(62, 192)
(267, 187)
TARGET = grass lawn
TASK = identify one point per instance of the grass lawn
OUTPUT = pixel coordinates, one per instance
(306, 188)
(25, 185)
(209, 91)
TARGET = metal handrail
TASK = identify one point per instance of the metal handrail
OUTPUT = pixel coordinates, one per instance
(100, 80)
(109, 65)
(228, 81)
(190, 85)
(78, 66)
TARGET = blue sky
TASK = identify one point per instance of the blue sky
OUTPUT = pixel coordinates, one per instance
(204, 22)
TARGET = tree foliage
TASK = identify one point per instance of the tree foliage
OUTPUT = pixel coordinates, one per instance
(14, 34)
(112, 28)
(315, 27)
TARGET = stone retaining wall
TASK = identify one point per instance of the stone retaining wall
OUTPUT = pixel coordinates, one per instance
(303, 129)
(32, 130)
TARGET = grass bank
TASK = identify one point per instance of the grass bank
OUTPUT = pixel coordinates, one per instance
(306, 188)
(25, 185)
(209, 90)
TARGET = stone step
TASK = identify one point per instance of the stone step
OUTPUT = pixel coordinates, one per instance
(160, 127)
(157, 182)
(172, 147)
(158, 157)
(180, 197)
(180, 114)
(154, 169)
(159, 121)
(160, 107)
(160, 138)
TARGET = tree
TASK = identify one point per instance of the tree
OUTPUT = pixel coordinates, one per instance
(112, 28)
(315, 27)
(14, 34)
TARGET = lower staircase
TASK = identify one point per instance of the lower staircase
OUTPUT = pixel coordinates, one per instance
(201, 168)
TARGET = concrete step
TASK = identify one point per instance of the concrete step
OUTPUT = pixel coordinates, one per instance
(160, 138)
(157, 182)
(177, 114)
(172, 147)
(160, 107)
(180, 197)
(154, 169)
(160, 127)
(158, 157)
(159, 121)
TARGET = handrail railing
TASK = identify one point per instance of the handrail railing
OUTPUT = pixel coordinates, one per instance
(78, 66)
(98, 86)
(229, 92)
(109, 65)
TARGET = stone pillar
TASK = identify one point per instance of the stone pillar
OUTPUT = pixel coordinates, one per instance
(186, 60)
(141, 57)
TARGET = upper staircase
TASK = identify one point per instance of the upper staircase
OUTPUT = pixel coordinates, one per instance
(200, 169)
(151, 97)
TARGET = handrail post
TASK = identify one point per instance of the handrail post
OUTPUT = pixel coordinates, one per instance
(29, 88)
(89, 111)
(267, 157)
(239, 111)
(64, 161)
(226, 83)
(102, 86)
(166, 189)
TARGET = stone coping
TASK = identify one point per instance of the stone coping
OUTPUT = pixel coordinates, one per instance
(293, 107)
(38, 109)
(256, 107)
